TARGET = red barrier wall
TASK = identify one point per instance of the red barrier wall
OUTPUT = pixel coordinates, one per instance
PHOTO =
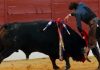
(29, 10)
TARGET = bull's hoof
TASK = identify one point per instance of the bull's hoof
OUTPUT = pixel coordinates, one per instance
(1, 59)
(0, 62)
(98, 68)
(56, 68)
(67, 68)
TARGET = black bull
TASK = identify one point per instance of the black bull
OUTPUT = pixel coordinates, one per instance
(30, 37)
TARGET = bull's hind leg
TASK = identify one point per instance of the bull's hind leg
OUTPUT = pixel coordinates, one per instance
(6, 52)
(53, 60)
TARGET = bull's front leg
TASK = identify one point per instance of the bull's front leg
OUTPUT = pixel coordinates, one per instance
(6, 52)
(67, 63)
(66, 58)
(53, 60)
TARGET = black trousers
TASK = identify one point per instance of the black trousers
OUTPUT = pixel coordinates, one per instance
(93, 32)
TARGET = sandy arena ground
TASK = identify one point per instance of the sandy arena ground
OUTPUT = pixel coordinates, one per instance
(45, 64)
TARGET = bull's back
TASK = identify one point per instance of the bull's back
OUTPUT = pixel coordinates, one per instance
(35, 31)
